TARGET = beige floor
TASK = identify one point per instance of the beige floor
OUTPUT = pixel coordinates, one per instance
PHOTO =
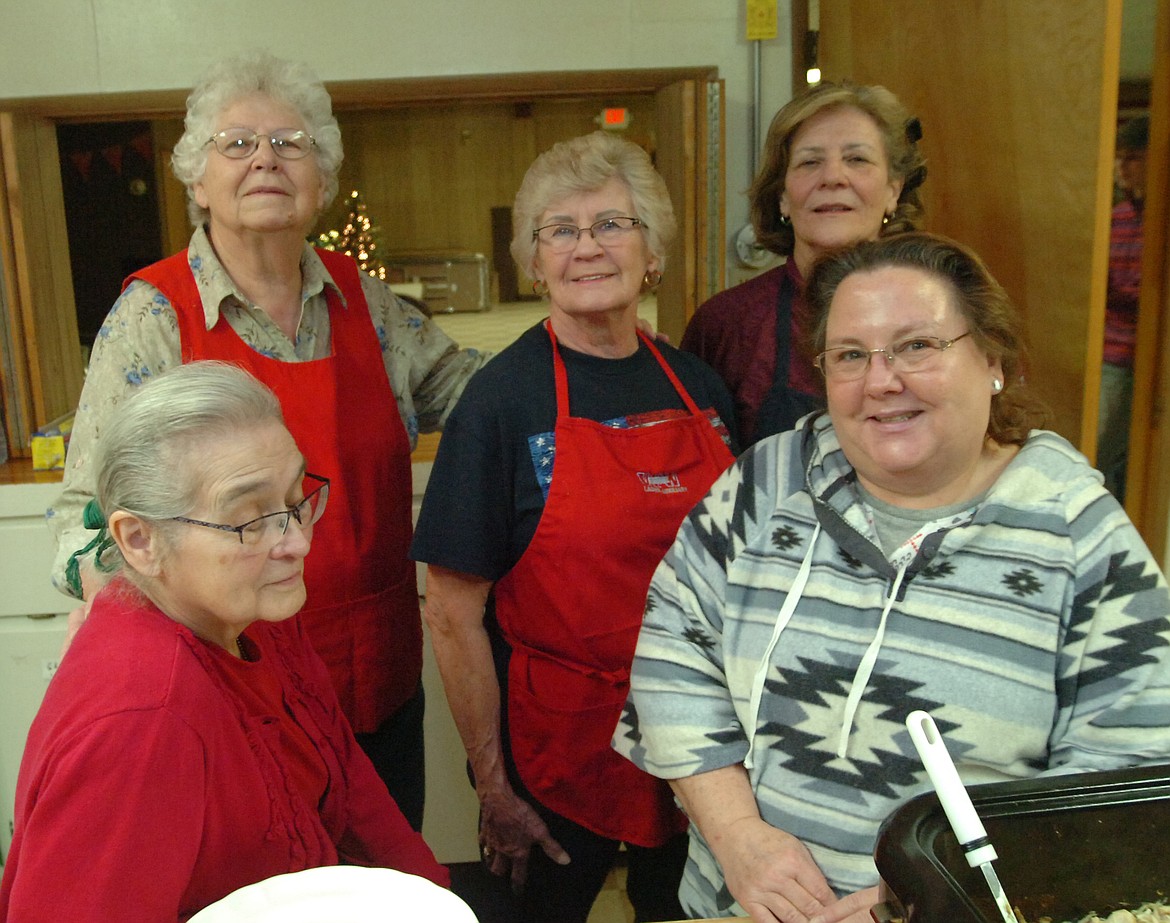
(493, 330)
(611, 905)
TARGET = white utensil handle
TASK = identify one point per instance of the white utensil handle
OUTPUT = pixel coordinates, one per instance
(951, 791)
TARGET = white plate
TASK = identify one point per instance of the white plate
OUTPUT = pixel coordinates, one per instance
(339, 892)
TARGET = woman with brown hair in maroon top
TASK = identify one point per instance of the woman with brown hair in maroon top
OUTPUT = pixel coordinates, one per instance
(841, 165)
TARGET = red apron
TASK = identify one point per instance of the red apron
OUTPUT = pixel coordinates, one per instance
(572, 606)
(362, 613)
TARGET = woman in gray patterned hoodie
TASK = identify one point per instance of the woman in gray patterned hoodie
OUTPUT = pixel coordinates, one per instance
(920, 546)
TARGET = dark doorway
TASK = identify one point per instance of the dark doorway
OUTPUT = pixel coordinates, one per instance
(111, 210)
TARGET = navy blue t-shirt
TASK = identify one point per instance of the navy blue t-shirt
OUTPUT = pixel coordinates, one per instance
(490, 476)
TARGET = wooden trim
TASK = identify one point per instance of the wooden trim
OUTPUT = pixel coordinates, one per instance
(675, 159)
(43, 281)
(14, 377)
(48, 361)
(1147, 479)
(799, 24)
(716, 284)
(1102, 214)
(374, 94)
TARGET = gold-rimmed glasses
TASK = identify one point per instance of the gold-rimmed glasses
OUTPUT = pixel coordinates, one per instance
(911, 354)
(238, 143)
(561, 238)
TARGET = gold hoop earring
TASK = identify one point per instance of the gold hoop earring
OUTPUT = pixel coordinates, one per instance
(540, 287)
(651, 279)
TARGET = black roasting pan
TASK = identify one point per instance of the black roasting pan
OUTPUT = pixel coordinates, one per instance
(1067, 845)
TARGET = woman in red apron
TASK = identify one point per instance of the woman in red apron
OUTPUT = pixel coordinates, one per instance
(561, 479)
(259, 156)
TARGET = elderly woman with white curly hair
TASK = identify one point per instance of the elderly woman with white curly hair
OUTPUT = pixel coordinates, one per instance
(358, 372)
(561, 479)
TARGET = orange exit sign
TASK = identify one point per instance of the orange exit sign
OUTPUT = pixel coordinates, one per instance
(614, 119)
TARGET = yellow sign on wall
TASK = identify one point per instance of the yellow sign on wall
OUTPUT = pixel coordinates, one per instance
(761, 19)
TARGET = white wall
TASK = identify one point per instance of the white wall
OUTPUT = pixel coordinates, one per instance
(67, 47)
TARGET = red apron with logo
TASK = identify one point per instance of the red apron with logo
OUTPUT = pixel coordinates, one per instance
(572, 606)
(362, 612)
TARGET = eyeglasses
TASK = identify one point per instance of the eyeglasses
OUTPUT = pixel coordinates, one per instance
(238, 143)
(561, 238)
(913, 354)
(267, 530)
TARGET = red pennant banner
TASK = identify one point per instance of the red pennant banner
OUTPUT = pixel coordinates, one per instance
(113, 156)
(82, 160)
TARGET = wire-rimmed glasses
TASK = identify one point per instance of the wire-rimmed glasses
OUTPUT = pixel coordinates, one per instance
(238, 143)
(912, 354)
(266, 530)
(561, 238)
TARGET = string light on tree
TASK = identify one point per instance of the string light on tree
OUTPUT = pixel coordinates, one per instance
(358, 238)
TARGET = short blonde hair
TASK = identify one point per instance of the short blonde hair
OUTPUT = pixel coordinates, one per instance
(583, 165)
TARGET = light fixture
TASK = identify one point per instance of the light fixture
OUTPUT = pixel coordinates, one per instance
(812, 67)
(812, 74)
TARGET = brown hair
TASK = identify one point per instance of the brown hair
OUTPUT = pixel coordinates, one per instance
(991, 317)
(900, 136)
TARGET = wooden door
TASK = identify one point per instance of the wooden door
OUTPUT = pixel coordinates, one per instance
(38, 284)
(690, 156)
(1147, 481)
(1018, 103)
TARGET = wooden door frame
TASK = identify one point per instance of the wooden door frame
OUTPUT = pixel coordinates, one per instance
(1147, 479)
(347, 96)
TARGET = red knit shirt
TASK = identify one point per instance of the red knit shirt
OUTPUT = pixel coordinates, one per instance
(1125, 282)
(152, 787)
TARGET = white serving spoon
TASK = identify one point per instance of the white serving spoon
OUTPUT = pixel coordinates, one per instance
(957, 804)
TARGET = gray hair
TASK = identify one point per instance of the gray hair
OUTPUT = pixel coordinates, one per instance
(230, 80)
(583, 165)
(142, 459)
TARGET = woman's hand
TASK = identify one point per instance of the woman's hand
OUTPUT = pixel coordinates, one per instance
(769, 872)
(508, 830)
(648, 328)
(508, 827)
(852, 908)
(773, 876)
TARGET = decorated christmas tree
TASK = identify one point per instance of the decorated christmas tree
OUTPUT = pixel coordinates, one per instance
(358, 238)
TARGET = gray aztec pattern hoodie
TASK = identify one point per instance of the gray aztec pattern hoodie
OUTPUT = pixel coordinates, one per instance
(1034, 627)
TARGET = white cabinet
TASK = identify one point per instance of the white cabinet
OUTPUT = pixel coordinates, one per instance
(32, 627)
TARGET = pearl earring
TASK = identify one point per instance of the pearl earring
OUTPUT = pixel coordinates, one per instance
(996, 385)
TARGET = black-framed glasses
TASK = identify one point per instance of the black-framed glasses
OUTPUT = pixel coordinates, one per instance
(913, 354)
(238, 143)
(561, 238)
(269, 528)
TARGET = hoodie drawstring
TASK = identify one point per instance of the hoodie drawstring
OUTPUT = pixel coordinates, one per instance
(782, 620)
(865, 668)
